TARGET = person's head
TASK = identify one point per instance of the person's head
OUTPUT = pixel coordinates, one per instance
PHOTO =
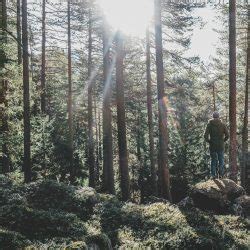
(216, 115)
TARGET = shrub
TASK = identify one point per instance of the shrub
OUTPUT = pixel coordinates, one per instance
(52, 195)
(39, 223)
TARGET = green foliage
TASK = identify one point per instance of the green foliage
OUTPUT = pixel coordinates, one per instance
(51, 195)
(166, 226)
(38, 224)
(12, 240)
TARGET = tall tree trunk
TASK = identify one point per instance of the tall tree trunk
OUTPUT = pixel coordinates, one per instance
(4, 128)
(70, 109)
(97, 162)
(91, 157)
(19, 36)
(108, 172)
(26, 94)
(232, 90)
(163, 137)
(121, 120)
(214, 100)
(245, 123)
(43, 76)
(150, 116)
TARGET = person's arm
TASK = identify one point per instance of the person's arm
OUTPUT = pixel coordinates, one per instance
(206, 134)
(226, 133)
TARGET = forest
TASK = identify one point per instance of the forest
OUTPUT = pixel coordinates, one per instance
(107, 113)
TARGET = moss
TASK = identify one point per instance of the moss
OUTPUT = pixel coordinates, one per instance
(161, 225)
(52, 215)
(52, 195)
(40, 224)
(12, 240)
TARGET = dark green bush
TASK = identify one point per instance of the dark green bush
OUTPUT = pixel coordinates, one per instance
(12, 240)
(52, 195)
(5, 182)
(39, 223)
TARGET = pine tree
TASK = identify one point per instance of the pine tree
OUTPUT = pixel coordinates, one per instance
(26, 94)
(162, 109)
(70, 109)
(4, 127)
(108, 172)
(232, 89)
(246, 117)
(150, 115)
(91, 157)
(121, 119)
(18, 29)
(43, 76)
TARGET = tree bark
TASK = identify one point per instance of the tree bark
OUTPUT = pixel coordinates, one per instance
(91, 157)
(150, 116)
(108, 172)
(19, 36)
(4, 128)
(26, 95)
(214, 100)
(97, 162)
(43, 76)
(232, 90)
(70, 110)
(245, 122)
(121, 120)
(162, 109)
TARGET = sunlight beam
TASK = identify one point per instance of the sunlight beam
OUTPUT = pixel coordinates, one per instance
(129, 16)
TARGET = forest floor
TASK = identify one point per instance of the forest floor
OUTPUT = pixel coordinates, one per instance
(47, 214)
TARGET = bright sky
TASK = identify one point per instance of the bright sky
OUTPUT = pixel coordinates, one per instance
(133, 21)
(204, 39)
(129, 16)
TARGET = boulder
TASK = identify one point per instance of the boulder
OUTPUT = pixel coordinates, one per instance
(186, 203)
(216, 195)
(242, 203)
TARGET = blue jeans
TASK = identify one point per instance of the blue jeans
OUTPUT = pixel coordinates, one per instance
(217, 157)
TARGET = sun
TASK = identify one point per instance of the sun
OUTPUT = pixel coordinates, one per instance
(129, 16)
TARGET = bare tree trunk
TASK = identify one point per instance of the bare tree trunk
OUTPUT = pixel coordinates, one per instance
(163, 137)
(70, 110)
(150, 116)
(245, 123)
(26, 95)
(214, 100)
(91, 157)
(97, 162)
(121, 120)
(4, 128)
(18, 29)
(232, 90)
(108, 172)
(43, 76)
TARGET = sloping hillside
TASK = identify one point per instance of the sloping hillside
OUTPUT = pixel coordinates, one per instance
(48, 214)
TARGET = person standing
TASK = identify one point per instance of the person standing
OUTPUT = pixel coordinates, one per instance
(216, 134)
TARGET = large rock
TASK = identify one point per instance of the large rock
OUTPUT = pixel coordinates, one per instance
(242, 205)
(216, 195)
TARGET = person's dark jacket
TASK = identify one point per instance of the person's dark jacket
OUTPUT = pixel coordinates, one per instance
(216, 134)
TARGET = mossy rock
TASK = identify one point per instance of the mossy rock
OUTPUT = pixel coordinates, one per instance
(216, 195)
